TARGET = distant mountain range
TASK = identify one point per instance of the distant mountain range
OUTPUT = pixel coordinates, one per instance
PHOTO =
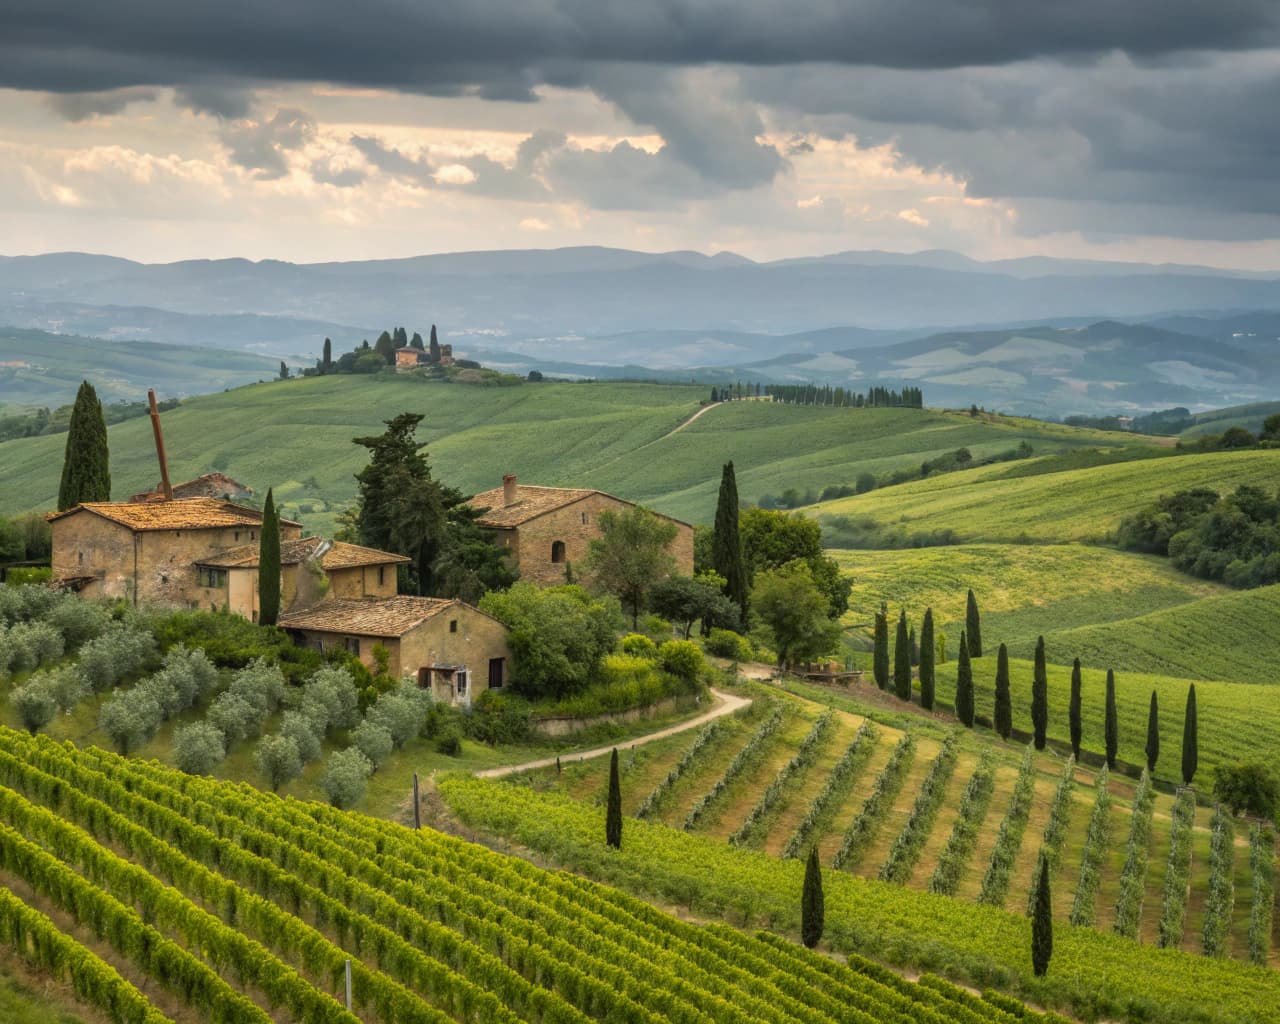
(1015, 334)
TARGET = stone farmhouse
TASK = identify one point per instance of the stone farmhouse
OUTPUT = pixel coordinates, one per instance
(408, 358)
(209, 485)
(545, 530)
(453, 649)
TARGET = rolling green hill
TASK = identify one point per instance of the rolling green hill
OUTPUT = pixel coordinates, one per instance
(990, 504)
(296, 436)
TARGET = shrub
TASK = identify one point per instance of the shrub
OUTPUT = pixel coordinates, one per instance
(119, 652)
(198, 748)
(278, 759)
(637, 645)
(499, 718)
(401, 713)
(624, 669)
(35, 703)
(1248, 787)
(373, 741)
(346, 777)
(656, 627)
(725, 643)
(78, 621)
(682, 658)
(449, 742)
(34, 644)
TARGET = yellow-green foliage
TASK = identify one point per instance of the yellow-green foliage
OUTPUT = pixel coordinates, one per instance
(1084, 504)
(620, 669)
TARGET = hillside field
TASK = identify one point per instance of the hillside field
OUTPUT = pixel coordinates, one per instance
(296, 436)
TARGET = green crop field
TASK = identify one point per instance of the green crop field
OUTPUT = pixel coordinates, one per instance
(1074, 505)
(296, 436)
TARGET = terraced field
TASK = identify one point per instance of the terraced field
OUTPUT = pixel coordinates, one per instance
(893, 800)
(162, 897)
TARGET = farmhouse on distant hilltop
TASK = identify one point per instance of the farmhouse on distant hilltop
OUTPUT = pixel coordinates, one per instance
(209, 485)
(546, 529)
(408, 358)
(453, 649)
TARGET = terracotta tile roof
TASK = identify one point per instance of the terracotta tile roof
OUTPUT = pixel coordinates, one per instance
(179, 514)
(349, 556)
(338, 556)
(368, 616)
(531, 502)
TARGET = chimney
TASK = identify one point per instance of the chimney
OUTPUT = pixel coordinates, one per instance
(508, 490)
(165, 488)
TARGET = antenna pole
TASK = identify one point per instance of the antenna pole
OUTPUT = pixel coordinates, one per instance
(165, 486)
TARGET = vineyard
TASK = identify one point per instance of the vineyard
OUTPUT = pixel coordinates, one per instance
(225, 904)
(904, 808)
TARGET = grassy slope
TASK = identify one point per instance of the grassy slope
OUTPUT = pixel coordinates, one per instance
(1083, 504)
(45, 369)
(296, 436)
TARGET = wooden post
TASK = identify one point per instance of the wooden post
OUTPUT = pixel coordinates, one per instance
(348, 980)
(417, 811)
(165, 486)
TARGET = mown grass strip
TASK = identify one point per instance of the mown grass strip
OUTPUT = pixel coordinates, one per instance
(906, 848)
(687, 760)
(838, 781)
(1221, 900)
(1055, 830)
(1174, 910)
(1133, 876)
(737, 766)
(1096, 842)
(804, 756)
(1262, 861)
(995, 883)
(974, 802)
(887, 784)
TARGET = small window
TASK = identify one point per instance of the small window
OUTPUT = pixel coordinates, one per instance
(557, 551)
(213, 577)
(82, 558)
(584, 519)
(237, 536)
(382, 575)
(497, 672)
(462, 682)
(352, 644)
(453, 625)
(252, 535)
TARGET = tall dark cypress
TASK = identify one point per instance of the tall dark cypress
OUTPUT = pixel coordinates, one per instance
(1190, 739)
(913, 647)
(902, 660)
(326, 361)
(269, 563)
(926, 661)
(613, 812)
(1004, 699)
(973, 627)
(433, 346)
(964, 685)
(812, 902)
(1073, 712)
(726, 544)
(1040, 698)
(86, 466)
(1111, 725)
(880, 654)
(1042, 923)
(1153, 734)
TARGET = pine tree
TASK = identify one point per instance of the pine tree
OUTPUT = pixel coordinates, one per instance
(726, 545)
(1111, 725)
(1042, 923)
(86, 466)
(812, 902)
(326, 361)
(1074, 711)
(1004, 700)
(964, 685)
(613, 812)
(433, 347)
(926, 661)
(973, 627)
(269, 563)
(880, 652)
(1190, 739)
(1040, 698)
(1153, 735)
(902, 660)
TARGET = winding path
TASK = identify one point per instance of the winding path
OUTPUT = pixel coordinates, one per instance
(728, 704)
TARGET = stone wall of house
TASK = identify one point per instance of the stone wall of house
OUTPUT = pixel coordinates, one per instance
(473, 642)
(576, 526)
(363, 581)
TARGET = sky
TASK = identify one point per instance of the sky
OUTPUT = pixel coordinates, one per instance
(313, 130)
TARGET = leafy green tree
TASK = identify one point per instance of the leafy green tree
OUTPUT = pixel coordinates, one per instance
(1153, 735)
(1042, 922)
(1190, 738)
(726, 542)
(269, 563)
(880, 650)
(385, 346)
(1111, 722)
(1040, 698)
(35, 702)
(1074, 723)
(964, 684)
(198, 748)
(631, 554)
(613, 809)
(346, 777)
(1248, 787)
(277, 759)
(973, 627)
(1004, 700)
(86, 468)
(927, 655)
(772, 538)
(468, 564)
(794, 611)
(685, 600)
(1270, 428)
(812, 902)
(902, 660)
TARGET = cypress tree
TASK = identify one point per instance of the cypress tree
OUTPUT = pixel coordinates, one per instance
(1111, 726)
(964, 685)
(914, 647)
(1004, 700)
(1190, 739)
(973, 627)
(386, 348)
(812, 903)
(726, 545)
(926, 661)
(880, 655)
(433, 346)
(1042, 923)
(613, 812)
(1074, 710)
(86, 466)
(326, 361)
(902, 660)
(269, 564)
(1040, 698)
(1153, 735)
(417, 342)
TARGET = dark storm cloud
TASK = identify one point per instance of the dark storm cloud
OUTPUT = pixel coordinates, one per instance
(80, 106)
(499, 47)
(225, 101)
(259, 146)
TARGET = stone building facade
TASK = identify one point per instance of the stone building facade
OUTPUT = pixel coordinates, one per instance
(451, 648)
(546, 530)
